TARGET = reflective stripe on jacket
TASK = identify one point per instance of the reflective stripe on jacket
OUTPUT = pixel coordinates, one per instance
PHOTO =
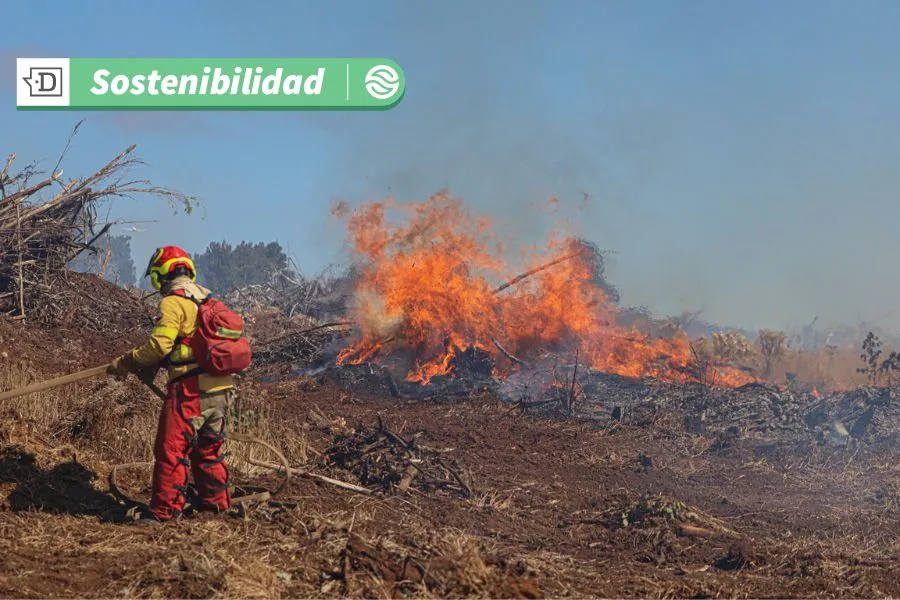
(177, 321)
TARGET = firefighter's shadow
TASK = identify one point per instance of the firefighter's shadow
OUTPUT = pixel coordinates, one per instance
(67, 488)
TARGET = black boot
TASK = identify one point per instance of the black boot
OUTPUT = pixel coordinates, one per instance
(142, 516)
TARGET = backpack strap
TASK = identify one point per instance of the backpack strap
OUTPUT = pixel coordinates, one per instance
(197, 301)
(192, 373)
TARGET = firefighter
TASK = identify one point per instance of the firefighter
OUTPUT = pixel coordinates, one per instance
(191, 428)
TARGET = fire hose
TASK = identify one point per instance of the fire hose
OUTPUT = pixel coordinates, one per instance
(113, 486)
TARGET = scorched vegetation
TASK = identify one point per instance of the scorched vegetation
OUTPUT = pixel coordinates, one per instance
(459, 421)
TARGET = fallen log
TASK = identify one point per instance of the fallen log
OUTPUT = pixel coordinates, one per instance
(692, 531)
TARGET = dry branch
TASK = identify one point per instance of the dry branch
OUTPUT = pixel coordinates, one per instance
(314, 476)
(506, 353)
(281, 338)
(20, 264)
(538, 269)
(371, 352)
(39, 237)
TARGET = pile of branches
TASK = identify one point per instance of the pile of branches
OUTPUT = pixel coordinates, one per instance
(383, 459)
(321, 297)
(45, 224)
(308, 347)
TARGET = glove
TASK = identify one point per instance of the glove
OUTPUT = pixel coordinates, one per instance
(121, 367)
(146, 374)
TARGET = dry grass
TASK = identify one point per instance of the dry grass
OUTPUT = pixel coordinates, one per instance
(828, 368)
(101, 423)
(92, 418)
(523, 533)
(253, 416)
(105, 422)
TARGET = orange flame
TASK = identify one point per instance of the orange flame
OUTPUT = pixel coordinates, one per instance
(426, 284)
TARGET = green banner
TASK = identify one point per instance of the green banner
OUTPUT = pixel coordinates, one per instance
(208, 84)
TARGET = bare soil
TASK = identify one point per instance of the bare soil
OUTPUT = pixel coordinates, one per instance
(550, 507)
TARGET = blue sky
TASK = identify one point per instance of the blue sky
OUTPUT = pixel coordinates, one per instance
(742, 157)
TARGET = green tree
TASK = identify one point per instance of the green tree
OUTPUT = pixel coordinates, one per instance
(115, 252)
(223, 267)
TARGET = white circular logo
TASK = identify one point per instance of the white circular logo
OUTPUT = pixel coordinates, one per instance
(382, 82)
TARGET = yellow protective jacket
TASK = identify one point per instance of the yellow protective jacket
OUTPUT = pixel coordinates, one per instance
(177, 321)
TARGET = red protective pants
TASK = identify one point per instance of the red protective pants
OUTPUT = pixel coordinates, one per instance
(189, 440)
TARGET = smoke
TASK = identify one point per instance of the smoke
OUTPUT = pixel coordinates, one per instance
(475, 118)
(370, 310)
(733, 165)
(740, 158)
(506, 114)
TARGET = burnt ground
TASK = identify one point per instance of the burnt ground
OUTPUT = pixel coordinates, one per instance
(474, 495)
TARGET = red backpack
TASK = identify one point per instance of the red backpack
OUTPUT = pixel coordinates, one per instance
(219, 344)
